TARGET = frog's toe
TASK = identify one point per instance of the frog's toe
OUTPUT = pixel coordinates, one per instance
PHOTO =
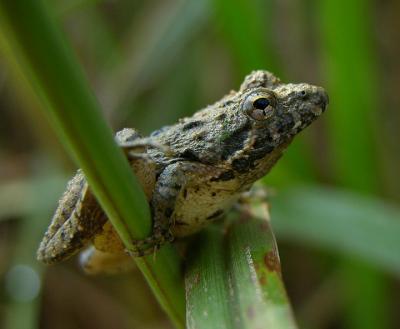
(151, 244)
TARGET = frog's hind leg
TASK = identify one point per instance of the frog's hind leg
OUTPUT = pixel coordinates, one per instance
(94, 261)
(77, 219)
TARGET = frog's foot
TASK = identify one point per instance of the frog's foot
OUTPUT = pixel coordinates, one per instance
(152, 244)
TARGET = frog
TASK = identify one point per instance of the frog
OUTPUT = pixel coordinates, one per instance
(192, 172)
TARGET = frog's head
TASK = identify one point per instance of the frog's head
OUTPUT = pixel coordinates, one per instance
(286, 109)
(278, 111)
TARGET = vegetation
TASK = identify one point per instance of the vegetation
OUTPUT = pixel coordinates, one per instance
(333, 204)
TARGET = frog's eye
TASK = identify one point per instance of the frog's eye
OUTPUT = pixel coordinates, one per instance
(260, 107)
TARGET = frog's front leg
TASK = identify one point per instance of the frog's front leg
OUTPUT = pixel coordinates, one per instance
(169, 185)
(188, 194)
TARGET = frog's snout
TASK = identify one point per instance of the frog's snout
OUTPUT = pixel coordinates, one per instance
(322, 98)
(317, 98)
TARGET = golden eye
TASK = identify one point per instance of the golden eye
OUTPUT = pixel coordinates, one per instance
(260, 107)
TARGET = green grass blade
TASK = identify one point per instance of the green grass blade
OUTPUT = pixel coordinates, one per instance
(353, 90)
(245, 25)
(206, 290)
(233, 279)
(40, 53)
(353, 122)
(344, 222)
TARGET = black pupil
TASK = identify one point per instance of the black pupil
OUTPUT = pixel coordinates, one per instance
(261, 103)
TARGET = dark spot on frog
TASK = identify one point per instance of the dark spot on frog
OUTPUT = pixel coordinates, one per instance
(77, 239)
(159, 131)
(192, 124)
(190, 155)
(213, 194)
(65, 213)
(184, 193)
(241, 165)
(227, 103)
(225, 176)
(262, 140)
(259, 153)
(215, 214)
(221, 116)
(235, 141)
(132, 137)
(158, 175)
(63, 235)
(286, 124)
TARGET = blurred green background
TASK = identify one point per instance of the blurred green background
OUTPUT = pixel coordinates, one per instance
(336, 191)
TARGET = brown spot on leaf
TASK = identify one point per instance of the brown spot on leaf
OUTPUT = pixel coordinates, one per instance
(271, 261)
(263, 280)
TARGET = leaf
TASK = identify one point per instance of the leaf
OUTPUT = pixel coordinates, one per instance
(341, 221)
(233, 277)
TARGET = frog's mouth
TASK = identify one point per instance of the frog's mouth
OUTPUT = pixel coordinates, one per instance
(318, 100)
(321, 101)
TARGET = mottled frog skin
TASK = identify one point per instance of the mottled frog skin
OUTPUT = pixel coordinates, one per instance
(195, 170)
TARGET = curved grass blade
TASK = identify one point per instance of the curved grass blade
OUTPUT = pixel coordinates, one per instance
(233, 278)
(41, 56)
